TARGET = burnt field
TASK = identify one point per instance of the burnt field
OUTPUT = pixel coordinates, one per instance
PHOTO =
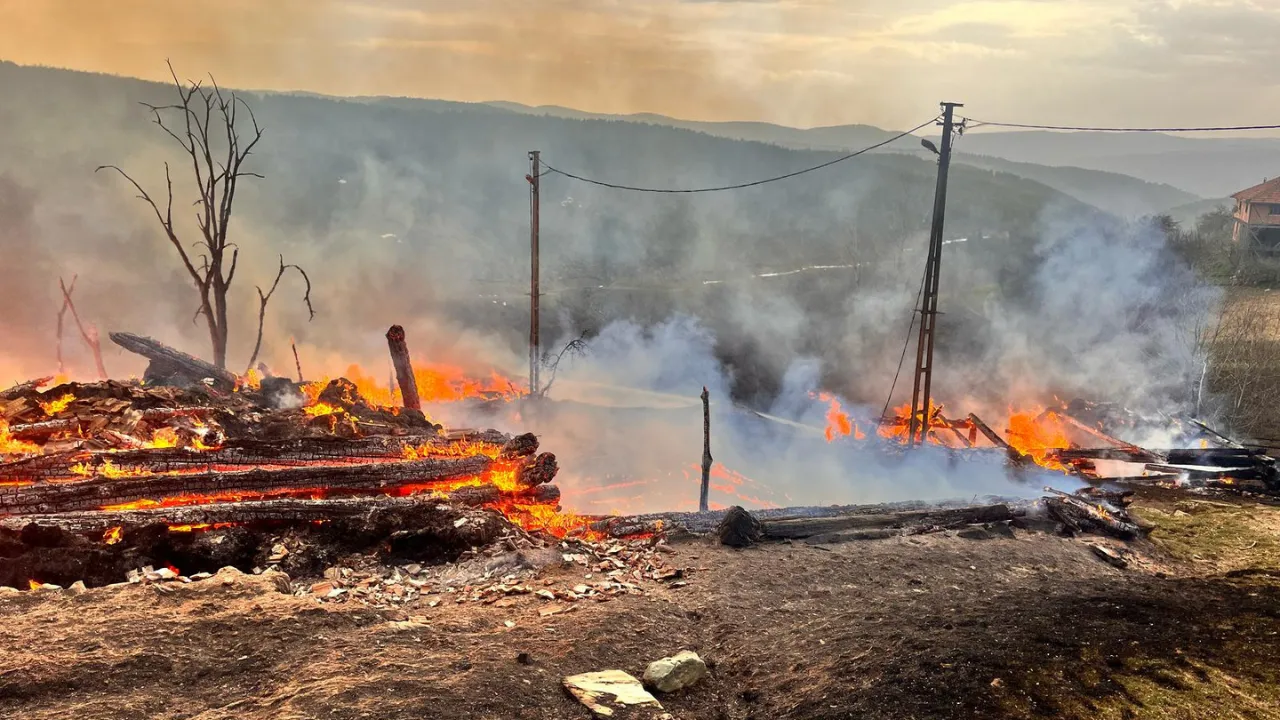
(968, 624)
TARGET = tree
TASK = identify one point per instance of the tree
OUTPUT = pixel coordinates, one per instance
(208, 129)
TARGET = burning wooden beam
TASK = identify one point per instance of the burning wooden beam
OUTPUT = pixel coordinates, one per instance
(265, 511)
(124, 487)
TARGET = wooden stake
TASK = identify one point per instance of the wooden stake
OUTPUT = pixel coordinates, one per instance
(706, 450)
(296, 361)
(404, 369)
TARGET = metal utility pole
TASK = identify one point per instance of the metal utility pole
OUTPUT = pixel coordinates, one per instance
(920, 408)
(535, 170)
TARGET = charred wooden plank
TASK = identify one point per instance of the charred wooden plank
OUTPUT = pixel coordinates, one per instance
(990, 434)
(172, 360)
(279, 510)
(97, 492)
(1194, 473)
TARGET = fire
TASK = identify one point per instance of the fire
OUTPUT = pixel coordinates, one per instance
(33, 585)
(164, 438)
(548, 519)
(200, 526)
(317, 409)
(113, 535)
(11, 446)
(53, 407)
(107, 469)
(1036, 433)
(839, 424)
(252, 380)
(456, 449)
(437, 383)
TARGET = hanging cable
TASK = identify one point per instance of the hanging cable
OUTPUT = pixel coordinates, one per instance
(739, 186)
(906, 344)
(973, 123)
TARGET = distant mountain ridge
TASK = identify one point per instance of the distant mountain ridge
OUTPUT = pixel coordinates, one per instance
(1114, 192)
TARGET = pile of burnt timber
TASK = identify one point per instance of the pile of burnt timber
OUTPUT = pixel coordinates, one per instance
(1213, 460)
(215, 450)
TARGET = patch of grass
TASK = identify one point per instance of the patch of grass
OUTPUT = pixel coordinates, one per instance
(1228, 537)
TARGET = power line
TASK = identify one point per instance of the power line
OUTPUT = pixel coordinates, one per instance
(973, 123)
(739, 186)
(905, 344)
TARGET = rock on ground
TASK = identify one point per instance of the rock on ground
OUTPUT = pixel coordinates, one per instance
(676, 672)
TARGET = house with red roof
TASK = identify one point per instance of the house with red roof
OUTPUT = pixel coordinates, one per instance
(1257, 215)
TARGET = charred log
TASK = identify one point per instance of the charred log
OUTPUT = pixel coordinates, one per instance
(520, 446)
(285, 510)
(97, 492)
(541, 470)
(174, 365)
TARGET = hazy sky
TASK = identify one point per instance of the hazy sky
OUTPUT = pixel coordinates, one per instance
(797, 62)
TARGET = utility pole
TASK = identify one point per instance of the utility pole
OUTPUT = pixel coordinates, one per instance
(535, 170)
(920, 406)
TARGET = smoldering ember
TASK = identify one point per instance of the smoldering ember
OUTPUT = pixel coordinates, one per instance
(767, 423)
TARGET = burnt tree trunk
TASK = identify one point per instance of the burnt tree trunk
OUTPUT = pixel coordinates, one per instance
(404, 369)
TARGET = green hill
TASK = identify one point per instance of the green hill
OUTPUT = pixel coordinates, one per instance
(406, 210)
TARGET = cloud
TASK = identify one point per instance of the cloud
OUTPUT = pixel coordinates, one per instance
(798, 62)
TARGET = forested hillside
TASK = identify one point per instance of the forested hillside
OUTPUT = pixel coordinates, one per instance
(402, 210)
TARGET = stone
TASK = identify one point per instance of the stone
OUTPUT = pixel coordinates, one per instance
(1108, 555)
(676, 672)
(622, 690)
(77, 588)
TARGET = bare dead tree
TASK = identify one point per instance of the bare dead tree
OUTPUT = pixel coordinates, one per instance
(207, 128)
(264, 298)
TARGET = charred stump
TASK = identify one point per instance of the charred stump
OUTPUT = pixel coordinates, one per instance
(738, 528)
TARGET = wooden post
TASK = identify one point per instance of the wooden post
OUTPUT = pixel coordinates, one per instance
(706, 450)
(404, 369)
(296, 361)
(535, 172)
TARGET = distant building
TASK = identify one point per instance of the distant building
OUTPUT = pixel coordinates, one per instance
(1257, 216)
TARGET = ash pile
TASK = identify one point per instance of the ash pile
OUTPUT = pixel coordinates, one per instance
(198, 470)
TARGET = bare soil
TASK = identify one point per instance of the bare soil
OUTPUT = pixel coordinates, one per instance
(935, 626)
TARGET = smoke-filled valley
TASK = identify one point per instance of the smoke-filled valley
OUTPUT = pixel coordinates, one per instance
(416, 212)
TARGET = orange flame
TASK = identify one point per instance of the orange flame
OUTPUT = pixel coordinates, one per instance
(839, 424)
(33, 585)
(53, 407)
(1036, 433)
(11, 446)
(113, 535)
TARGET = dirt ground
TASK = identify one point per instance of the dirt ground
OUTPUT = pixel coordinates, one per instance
(935, 626)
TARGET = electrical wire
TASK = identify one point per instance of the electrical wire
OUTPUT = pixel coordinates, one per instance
(905, 344)
(974, 123)
(739, 186)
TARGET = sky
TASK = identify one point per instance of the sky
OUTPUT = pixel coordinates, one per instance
(795, 62)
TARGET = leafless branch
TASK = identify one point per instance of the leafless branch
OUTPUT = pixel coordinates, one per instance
(264, 298)
(575, 347)
(90, 335)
